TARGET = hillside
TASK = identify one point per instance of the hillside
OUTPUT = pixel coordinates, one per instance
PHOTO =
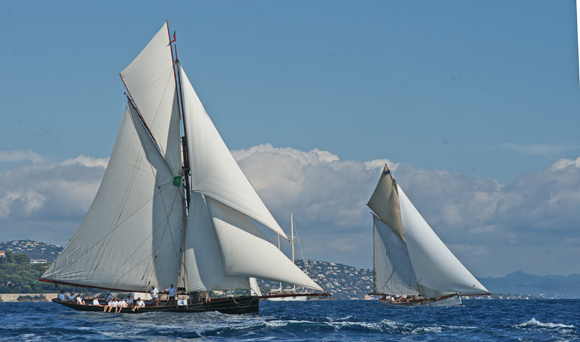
(347, 282)
(17, 275)
(342, 281)
(33, 249)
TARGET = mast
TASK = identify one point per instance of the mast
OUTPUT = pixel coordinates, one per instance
(292, 239)
(280, 250)
(185, 155)
(292, 234)
(186, 168)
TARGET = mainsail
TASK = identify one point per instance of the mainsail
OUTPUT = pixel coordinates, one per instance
(140, 230)
(409, 258)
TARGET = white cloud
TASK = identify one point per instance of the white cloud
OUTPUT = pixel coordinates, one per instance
(483, 221)
(48, 192)
(565, 163)
(486, 218)
(87, 161)
(19, 155)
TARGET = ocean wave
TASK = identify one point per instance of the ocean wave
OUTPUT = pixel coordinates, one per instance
(535, 323)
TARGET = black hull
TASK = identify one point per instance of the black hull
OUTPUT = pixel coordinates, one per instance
(230, 305)
(450, 300)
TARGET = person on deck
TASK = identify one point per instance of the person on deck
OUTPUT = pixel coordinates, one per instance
(112, 304)
(62, 296)
(171, 291)
(140, 304)
(129, 301)
(120, 305)
(96, 302)
(154, 295)
(80, 300)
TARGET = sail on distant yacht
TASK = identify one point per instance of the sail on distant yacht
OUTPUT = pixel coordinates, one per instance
(292, 295)
(411, 264)
(173, 207)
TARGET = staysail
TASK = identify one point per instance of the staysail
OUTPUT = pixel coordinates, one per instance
(410, 258)
(139, 231)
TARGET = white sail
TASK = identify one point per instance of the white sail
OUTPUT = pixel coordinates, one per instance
(393, 272)
(438, 271)
(214, 171)
(150, 80)
(412, 259)
(254, 288)
(246, 253)
(130, 238)
(204, 267)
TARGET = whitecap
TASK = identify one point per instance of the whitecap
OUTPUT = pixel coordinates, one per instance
(535, 323)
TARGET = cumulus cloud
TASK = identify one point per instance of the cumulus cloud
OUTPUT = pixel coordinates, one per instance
(47, 196)
(493, 228)
(19, 156)
(481, 220)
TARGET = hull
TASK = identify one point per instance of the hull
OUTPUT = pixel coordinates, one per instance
(288, 299)
(452, 300)
(282, 297)
(230, 305)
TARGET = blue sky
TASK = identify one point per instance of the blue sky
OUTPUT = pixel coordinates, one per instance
(475, 103)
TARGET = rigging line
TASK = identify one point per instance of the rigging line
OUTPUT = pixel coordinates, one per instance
(306, 265)
(159, 149)
(135, 105)
(154, 117)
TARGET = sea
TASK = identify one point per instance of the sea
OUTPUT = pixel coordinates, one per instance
(321, 320)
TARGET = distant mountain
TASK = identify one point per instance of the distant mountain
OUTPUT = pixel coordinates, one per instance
(33, 249)
(549, 286)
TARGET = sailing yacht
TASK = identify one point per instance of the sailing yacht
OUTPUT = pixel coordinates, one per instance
(173, 207)
(293, 295)
(411, 264)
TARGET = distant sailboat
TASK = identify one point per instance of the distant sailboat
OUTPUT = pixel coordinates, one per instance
(288, 296)
(173, 209)
(411, 264)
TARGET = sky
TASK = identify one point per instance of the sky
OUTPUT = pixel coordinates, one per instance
(473, 104)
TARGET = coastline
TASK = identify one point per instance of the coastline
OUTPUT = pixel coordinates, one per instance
(13, 297)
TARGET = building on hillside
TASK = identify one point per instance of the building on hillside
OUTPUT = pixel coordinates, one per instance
(2, 254)
(38, 261)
